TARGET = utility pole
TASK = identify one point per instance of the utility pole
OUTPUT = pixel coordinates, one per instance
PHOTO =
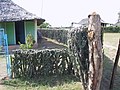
(41, 8)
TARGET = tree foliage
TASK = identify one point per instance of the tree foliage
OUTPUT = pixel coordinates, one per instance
(29, 42)
(45, 25)
(112, 29)
(58, 35)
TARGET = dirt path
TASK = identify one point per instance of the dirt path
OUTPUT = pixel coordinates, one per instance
(3, 72)
(47, 43)
(109, 58)
(110, 46)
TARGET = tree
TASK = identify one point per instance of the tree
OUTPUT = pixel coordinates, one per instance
(45, 25)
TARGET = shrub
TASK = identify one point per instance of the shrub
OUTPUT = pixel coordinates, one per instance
(58, 35)
(111, 29)
(79, 51)
(29, 42)
(33, 63)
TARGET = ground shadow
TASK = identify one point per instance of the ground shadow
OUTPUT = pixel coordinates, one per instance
(48, 44)
(61, 79)
(107, 71)
(51, 81)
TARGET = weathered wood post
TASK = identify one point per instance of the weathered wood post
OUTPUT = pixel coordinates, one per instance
(95, 52)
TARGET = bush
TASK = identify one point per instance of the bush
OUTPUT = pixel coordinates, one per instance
(111, 29)
(58, 35)
(29, 42)
(33, 63)
(79, 51)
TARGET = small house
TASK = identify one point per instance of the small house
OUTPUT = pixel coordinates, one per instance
(84, 22)
(17, 22)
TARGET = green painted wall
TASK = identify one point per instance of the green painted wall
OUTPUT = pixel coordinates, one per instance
(30, 28)
(2, 25)
(10, 32)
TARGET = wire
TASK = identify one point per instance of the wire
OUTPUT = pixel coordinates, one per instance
(42, 8)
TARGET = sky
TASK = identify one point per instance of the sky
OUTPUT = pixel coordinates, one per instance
(63, 12)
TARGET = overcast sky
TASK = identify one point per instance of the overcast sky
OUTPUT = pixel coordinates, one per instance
(63, 12)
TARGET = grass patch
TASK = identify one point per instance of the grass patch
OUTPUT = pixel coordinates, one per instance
(111, 39)
(65, 82)
(110, 53)
(107, 72)
(69, 82)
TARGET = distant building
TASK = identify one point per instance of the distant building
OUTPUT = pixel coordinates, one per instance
(84, 22)
(17, 22)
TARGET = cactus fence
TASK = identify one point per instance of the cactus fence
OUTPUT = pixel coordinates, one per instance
(32, 63)
(58, 35)
(74, 60)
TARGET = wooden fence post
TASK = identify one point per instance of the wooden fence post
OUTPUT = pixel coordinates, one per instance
(95, 52)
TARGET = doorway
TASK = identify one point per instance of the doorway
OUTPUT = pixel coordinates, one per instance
(20, 32)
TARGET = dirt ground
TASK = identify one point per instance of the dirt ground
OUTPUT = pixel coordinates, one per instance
(46, 43)
(3, 72)
(43, 44)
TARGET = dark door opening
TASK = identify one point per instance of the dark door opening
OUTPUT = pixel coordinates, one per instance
(20, 32)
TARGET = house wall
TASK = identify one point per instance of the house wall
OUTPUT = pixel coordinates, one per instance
(9, 27)
(30, 28)
(2, 25)
(9, 30)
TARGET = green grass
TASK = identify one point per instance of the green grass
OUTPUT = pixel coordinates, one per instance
(65, 82)
(68, 82)
(107, 71)
(109, 57)
(111, 38)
